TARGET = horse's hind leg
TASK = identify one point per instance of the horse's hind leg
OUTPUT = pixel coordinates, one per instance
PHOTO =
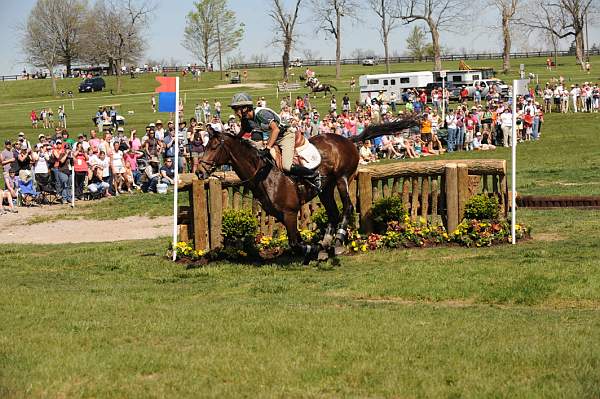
(333, 216)
(347, 210)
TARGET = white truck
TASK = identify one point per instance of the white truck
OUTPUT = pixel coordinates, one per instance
(486, 84)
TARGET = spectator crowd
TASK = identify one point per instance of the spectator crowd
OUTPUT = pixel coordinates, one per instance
(107, 161)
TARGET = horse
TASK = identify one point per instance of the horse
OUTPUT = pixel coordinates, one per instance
(317, 87)
(279, 193)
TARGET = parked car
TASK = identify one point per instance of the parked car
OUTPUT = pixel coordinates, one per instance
(234, 77)
(369, 61)
(296, 63)
(92, 84)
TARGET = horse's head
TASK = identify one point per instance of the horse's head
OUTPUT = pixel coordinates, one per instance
(216, 152)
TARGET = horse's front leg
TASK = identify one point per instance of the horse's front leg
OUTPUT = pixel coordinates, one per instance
(348, 208)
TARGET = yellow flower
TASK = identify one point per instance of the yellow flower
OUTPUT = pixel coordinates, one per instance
(242, 254)
(456, 232)
(363, 248)
(423, 220)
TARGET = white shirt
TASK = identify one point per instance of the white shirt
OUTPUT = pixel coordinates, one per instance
(506, 119)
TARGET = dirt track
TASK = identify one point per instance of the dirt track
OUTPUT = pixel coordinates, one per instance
(16, 228)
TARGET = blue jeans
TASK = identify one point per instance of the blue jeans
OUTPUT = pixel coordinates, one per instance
(451, 138)
(63, 184)
(136, 176)
(535, 128)
(460, 136)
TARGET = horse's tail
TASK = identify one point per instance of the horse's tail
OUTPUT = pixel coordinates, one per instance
(396, 126)
(333, 87)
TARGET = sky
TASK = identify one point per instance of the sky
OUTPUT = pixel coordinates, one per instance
(166, 32)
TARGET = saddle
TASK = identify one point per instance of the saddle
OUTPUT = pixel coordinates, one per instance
(305, 154)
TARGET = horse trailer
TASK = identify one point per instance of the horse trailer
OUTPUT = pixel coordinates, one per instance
(392, 82)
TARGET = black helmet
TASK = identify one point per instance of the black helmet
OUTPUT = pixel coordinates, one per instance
(240, 100)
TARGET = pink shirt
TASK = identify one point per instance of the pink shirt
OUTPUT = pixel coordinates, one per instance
(131, 160)
(136, 144)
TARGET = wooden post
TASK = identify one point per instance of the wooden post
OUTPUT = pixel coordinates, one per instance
(405, 189)
(237, 198)
(462, 182)
(215, 200)
(414, 206)
(451, 187)
(200, 215)
(365, 198)
(425, 197)
(385, 188)
(435, 186)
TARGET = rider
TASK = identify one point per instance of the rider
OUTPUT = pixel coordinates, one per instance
(267, 121)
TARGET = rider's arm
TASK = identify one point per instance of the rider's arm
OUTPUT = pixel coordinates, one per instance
(274, 133)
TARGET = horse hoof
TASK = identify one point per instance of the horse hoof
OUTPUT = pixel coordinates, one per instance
(339, 250)
(322, 256)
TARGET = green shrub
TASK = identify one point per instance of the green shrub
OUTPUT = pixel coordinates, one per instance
(387, 210)
(482, 207)
(239, 227)
(320, 219)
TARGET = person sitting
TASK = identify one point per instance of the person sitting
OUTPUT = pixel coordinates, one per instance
(95, 183)
(151, 176)
(6, 197)
(479, 146)
(366, 154)
(167, 172)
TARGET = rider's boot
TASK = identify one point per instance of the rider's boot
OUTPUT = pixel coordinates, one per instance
(312, 176)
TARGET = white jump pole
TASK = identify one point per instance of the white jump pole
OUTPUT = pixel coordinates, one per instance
(176, 162)
(514, 164)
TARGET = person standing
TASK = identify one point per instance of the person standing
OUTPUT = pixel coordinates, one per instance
(153, 103)
(506, 126)
(34, 119)
(80, 159)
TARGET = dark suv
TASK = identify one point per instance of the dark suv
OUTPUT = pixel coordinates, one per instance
(92, 84)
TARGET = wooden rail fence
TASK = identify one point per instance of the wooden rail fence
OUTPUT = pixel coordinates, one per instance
(434, 190)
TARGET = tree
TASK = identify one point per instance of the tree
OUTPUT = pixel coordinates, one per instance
(62, 25)
(229, 32)
(199, 36)
(416, 44)
(115, 32)
(212, 31)
(329, 14)
(388, 14)
(284, 25)
(507, 9)
(40, 44)
(438, 15)
(562, 18)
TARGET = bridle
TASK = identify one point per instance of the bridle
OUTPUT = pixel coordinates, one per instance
(213, 165)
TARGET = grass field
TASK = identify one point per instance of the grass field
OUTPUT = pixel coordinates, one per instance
(119, 320)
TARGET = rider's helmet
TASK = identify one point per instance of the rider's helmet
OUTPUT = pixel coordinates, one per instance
(241, 100)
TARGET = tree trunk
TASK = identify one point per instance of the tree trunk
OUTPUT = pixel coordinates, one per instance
(435, 43)
(68, 62)
(338, 44)
(507, 44)
(118, 70)
(220, 51)
(384, 34)
(286, 57)
(580, 48)
(53, 77)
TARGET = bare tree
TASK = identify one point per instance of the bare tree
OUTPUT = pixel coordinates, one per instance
(329, 14)
(438, 15)
(212, 31)
(40, 44)
(284, 25)
(115, 32)
(507, 9)
(389, 15)
(62, 24)
(562, 18)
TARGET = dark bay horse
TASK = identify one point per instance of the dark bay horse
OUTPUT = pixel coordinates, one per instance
(317, 87)
(278, 193)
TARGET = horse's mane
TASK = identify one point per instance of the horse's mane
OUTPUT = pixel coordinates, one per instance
(392, 127)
